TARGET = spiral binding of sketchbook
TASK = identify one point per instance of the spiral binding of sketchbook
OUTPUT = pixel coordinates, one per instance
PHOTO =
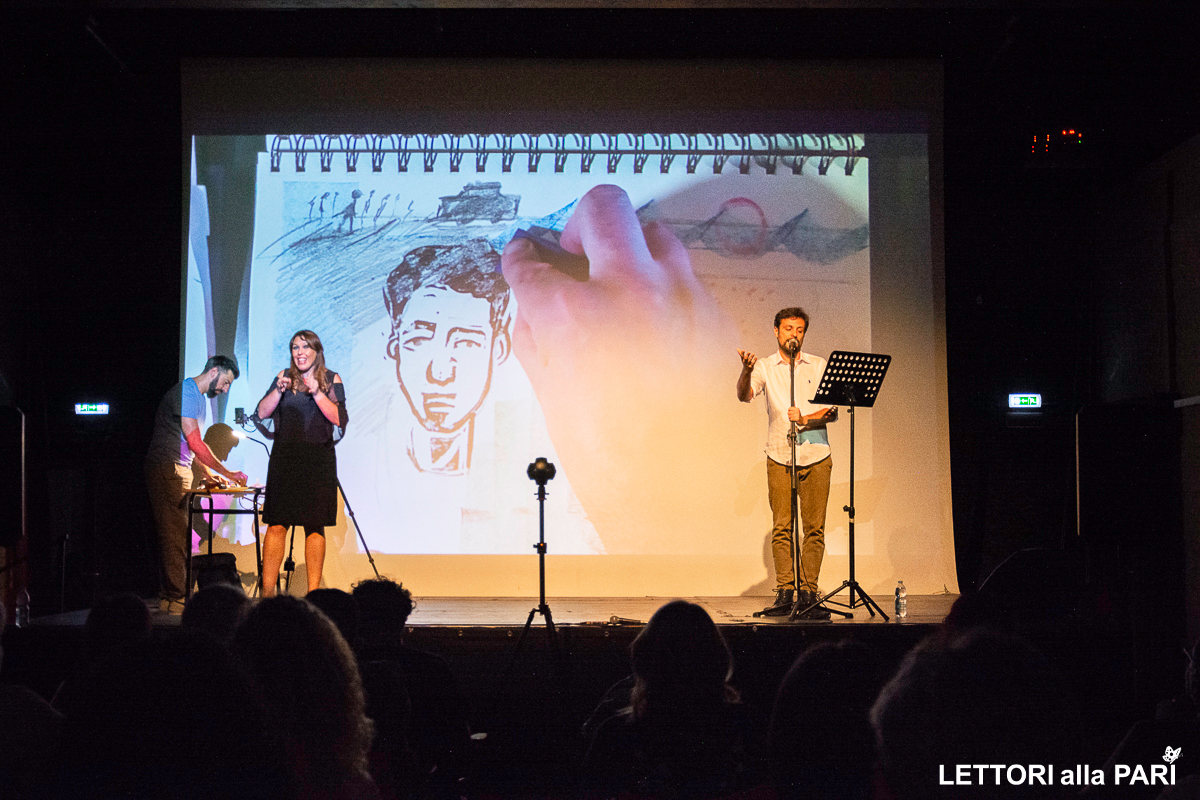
(768, 151)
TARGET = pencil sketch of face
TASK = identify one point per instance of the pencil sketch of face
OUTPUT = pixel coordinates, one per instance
(444, 363)
(450, 330)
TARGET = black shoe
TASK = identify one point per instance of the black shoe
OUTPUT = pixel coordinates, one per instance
(819, 613)
(782, 605)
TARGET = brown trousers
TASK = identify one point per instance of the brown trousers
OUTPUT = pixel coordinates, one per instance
(167, 484)
(813, 492)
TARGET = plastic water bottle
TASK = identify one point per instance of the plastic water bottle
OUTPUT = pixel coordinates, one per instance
(901, 600)
(22, 617)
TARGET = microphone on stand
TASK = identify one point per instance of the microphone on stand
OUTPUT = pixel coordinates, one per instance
(792, 345)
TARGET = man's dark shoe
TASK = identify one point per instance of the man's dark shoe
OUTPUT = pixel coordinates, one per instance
(782, 605)
(819, 613)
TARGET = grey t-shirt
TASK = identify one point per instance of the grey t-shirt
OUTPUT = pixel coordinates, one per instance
(168, 445)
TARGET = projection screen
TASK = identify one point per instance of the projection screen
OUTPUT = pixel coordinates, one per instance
(377, 216)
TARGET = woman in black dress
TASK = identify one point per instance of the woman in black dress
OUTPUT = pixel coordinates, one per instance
(307, 404)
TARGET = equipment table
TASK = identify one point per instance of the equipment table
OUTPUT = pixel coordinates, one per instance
(257, 493)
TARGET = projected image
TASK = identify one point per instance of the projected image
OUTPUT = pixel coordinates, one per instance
(490, 313)
(740, 230)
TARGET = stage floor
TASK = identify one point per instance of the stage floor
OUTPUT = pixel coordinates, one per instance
(504, 611)
(456, 612)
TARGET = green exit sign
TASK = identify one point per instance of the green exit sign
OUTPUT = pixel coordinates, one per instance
(1024, 401)
(91, 408)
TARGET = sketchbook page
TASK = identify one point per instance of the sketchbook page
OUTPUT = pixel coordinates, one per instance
(443, 419)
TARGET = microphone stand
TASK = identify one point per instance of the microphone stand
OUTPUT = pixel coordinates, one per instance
(792, 433)
(798, 608)
(361, 537)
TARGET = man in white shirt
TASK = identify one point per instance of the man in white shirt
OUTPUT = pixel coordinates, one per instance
(771, 375)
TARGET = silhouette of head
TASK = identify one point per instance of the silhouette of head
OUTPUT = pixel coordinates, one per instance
(215, 609)
(114, 622)
(340, 607)
(979, 698)
(829, 688)
(680, 658)
(384, 607)
(311, 689)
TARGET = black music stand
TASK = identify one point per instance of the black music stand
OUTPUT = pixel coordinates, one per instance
(850, 379)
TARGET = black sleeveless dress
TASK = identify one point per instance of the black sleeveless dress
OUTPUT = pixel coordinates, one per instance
(302, 473)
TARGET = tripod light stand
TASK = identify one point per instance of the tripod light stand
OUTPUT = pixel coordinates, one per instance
(541, 471)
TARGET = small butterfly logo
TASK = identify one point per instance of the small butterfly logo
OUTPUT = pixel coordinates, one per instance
(1171, 755)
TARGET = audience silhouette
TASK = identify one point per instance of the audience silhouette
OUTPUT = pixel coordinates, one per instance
(820, 745)
(168, 718)
(29, 735)
(438, 730)
(393, 763)
(340, 607)
(267, 700)
(307, 678)
(1175, 725)
(114, 623)
(216, 610)
(683, 732)
(977, 698)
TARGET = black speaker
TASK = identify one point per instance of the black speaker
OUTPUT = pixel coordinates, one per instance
(217, 568)
(12, 475)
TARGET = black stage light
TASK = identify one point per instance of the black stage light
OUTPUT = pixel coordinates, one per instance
(541, 471)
